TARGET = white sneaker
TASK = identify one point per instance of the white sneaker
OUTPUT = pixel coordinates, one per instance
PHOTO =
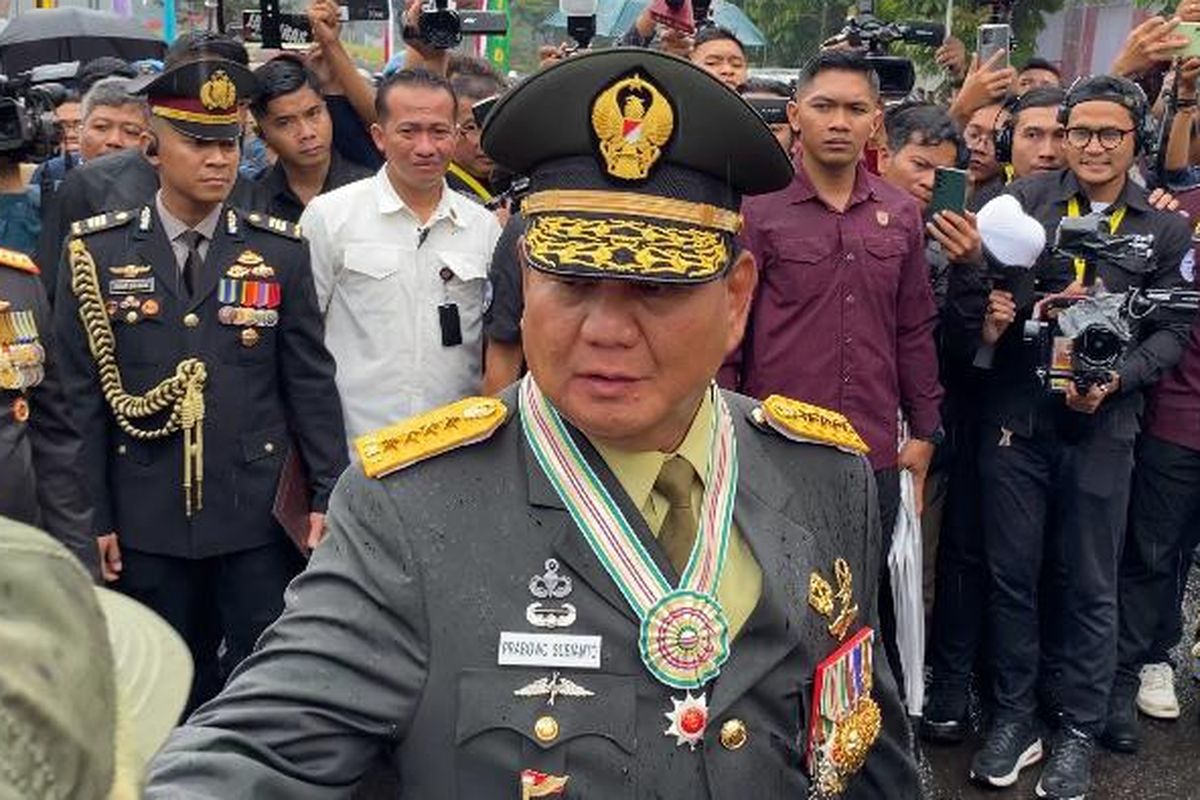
(1156, 696)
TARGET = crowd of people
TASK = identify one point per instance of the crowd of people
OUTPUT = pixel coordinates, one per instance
(243, 295)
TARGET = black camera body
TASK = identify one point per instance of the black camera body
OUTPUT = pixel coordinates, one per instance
(27, 126)
(442, 26)
(1082, 339)
(897, 75)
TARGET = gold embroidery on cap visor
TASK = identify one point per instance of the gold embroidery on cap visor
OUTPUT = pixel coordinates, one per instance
(635, 249)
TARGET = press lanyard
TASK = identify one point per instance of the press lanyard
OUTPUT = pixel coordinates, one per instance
(1114, 222)
(472, 183)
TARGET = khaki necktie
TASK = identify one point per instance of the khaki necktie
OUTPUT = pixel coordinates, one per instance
(678, 531)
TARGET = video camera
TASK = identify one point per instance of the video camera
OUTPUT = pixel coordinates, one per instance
(1082, 339)
(27, 126)
(897, 75)
(442, 26)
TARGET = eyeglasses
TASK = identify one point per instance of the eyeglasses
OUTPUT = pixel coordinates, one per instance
(1110, 138)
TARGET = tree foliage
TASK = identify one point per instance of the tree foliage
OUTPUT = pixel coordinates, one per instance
(796, 28)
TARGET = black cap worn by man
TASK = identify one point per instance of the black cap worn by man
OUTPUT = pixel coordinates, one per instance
(637, 181)
(634, 179)
(200, 98)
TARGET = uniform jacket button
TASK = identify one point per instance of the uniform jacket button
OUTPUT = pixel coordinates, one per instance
(191, 320)
(733, 734)
(546, 729)
(270, 448)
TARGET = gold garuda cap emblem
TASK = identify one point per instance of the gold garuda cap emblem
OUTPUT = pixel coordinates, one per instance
(633, 120)
(218, 92)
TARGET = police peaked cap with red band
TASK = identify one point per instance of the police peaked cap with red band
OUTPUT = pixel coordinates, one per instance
(200, 98)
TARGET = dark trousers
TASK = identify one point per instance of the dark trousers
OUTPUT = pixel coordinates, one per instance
(887, 483)
(1164, 526)
(230, 598)
(1079, 490)
(956, 632)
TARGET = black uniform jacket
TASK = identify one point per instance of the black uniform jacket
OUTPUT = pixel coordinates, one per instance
(112, 182)
(41, 479)
(1014, 397)
(260, 400)
(389, 643)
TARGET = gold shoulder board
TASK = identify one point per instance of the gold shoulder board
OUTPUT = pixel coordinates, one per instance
(467, 421)
(17, 260)
(277, 226)
(803, 422)
(101, 222)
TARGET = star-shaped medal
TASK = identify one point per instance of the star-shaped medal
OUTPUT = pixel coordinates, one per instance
(688, 719)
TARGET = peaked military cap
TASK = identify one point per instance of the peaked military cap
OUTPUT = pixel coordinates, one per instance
(200, 98)
(637, 162)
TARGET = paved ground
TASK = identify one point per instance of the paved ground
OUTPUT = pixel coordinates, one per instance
(1168, 767)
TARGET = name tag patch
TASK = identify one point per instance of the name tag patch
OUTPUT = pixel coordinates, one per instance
(548, 650)
(131, 285)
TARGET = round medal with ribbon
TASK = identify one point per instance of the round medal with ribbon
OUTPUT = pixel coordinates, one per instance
(684, 636)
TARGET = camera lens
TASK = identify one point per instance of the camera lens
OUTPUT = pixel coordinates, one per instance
(1098, 347)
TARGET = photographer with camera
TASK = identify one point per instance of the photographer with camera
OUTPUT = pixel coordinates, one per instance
(1063, 464)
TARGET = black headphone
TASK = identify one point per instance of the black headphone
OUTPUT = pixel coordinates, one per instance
(1115, 90)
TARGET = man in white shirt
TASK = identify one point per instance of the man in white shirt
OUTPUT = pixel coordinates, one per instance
(401, 263)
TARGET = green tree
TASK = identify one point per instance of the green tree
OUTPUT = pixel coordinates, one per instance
(796, 28)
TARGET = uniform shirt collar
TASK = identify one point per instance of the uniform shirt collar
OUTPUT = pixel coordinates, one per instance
(390, 202)
(802, 189)
(638, 471)
(174, 226)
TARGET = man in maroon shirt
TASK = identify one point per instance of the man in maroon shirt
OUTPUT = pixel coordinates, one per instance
(1164, 523)
(843, 316)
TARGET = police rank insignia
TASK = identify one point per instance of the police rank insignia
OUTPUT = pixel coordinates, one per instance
(464, 422)
(22, 357)
(803, 422)
(632, 121)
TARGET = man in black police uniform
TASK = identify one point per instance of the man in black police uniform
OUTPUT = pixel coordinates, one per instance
(194, 361)
(124, 179)
(462, 621)
(40, 478)
(1062, 465)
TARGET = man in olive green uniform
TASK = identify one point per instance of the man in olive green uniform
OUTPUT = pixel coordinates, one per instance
(614, 581)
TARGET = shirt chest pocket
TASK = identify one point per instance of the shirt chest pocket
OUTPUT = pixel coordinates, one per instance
(805, 270)
(508, 721)
(464, 279)
(881, 263)
(376, 279)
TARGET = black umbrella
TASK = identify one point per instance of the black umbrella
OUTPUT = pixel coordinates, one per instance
(52, 35)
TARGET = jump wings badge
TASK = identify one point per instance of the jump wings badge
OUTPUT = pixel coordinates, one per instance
(552, 687)
(633, 121)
